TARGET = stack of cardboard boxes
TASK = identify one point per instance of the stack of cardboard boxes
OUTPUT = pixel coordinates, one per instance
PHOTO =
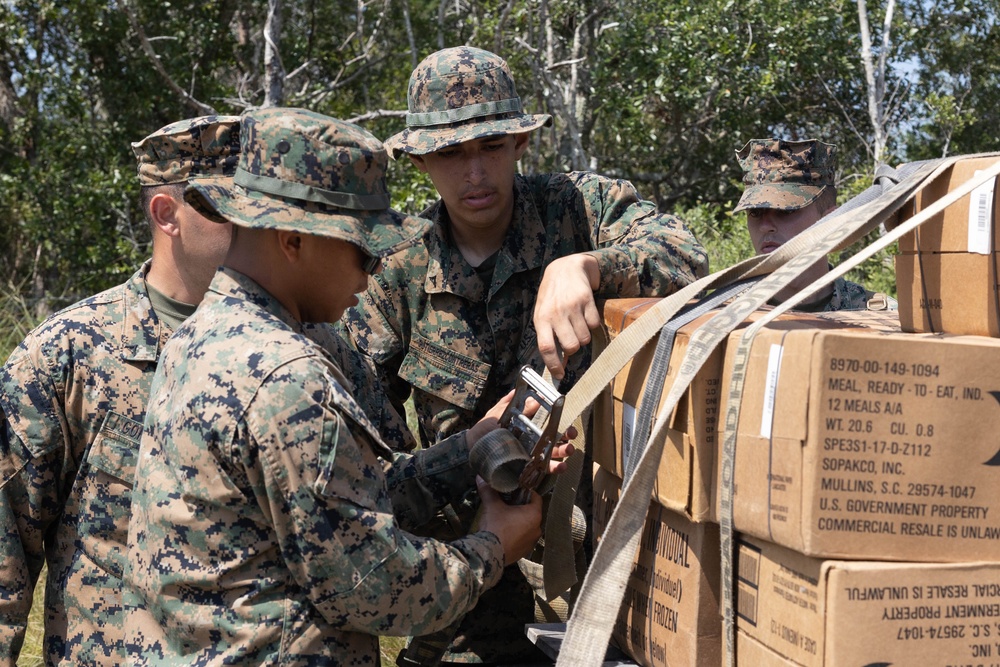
(867, 480)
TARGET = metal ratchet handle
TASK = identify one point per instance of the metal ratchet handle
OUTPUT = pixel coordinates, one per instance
(539, 440)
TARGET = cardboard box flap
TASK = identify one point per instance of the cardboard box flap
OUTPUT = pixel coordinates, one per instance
(619, 313)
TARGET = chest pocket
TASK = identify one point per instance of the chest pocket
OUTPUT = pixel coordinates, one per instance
(441, 371)
(106, 493)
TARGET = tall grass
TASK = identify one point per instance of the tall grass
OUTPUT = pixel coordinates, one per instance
(16, 320)
(31, 652)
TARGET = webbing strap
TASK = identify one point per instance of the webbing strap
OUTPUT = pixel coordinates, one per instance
(559, 550)
(589, 629)
(661, 363)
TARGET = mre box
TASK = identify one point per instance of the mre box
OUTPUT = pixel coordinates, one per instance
(685, 476)
(946, 269)
(687, 472)
(869, 445)
(670, 613)
(796, 610)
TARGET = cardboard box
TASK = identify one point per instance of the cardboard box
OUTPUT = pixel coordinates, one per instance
(670, 614)
(949, 231)
(751, 653)
(952, 292)
(796, 610)
(946, 272)
(869, 445)
(878, 320)
(687, 472)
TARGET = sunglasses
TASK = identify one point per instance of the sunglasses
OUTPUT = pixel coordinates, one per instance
(371, 264)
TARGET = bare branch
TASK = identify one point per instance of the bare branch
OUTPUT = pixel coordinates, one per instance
(378, 113)
(147, 48)
(504, 15)
(298, 70)
(409, 34)
(565, 63)
(274, 71)
(847, 116)
(875, 81)
(441, 14)
(746, 49)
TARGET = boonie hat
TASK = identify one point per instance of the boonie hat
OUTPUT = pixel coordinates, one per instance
(784, 175)
(459, 94)
(203, 147)
(305, 172)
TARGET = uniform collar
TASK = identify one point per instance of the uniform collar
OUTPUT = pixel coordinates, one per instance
(142, 333)
(229, 283)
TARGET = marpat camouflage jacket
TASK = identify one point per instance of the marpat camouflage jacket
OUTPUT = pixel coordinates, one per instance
(848, 296)
(73, 395)
(428, 324)
(263, 528)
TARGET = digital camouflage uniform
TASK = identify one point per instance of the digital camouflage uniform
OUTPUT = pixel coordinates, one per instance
(73, 397)
(264, 528)
(787, 176)
(438, 330)
(846, 296)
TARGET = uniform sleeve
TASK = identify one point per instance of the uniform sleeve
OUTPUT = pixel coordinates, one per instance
(641, 251)
(422, 483)
(29, 498)
(332, 511)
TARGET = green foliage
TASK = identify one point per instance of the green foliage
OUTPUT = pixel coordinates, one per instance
(723, 234)
(953, 47)
(662, 93)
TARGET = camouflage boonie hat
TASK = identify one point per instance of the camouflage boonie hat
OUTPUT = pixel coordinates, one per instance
(305, 172)
(459, 94)
(784, 175)
(203, 147)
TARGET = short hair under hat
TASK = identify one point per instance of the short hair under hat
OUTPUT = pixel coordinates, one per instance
(203, 147)
(784, 175)
(305, 172)
(457, 95)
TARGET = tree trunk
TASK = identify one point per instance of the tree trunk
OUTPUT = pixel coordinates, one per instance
(274, 72)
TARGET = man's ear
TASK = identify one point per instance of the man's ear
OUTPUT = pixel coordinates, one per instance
(163, 208)
(418, 162)
(290, 244)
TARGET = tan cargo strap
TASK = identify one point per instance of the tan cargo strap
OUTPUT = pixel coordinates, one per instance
(560, 550)
(590, 626)
(661, 363)
(603, 369)
(498, 458)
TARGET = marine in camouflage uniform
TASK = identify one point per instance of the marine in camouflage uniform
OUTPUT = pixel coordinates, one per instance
(73, 397)
(453, 333)
(264, 528)
(789, 185)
